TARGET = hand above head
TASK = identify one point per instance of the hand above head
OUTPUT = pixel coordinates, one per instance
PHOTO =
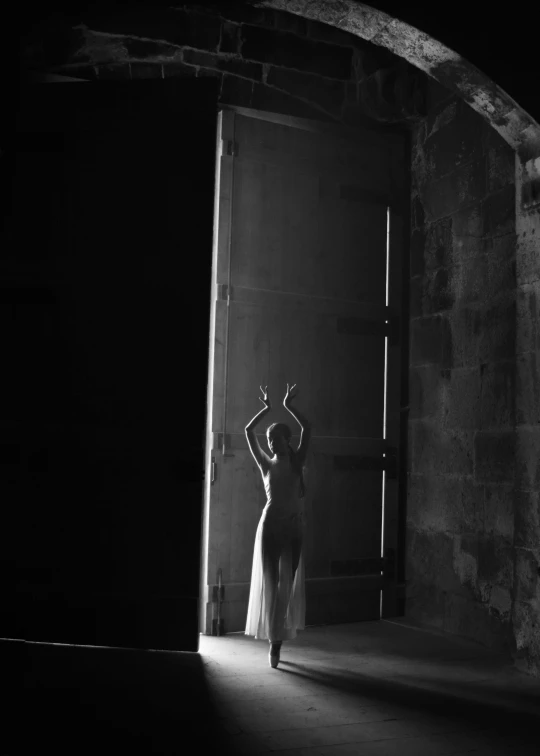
(289, 396)
(264, 399)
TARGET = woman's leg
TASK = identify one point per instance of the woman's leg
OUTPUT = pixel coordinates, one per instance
(270, 563)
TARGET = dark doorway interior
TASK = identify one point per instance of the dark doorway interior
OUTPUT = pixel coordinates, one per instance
(106, 265)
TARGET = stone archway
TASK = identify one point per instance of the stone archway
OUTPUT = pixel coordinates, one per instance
(511, 121)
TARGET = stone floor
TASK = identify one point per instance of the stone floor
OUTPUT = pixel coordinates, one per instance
(372, 689)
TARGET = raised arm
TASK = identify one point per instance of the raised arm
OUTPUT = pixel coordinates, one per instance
(303, 422)
(260, 457)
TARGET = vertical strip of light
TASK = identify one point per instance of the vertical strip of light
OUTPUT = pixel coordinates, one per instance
(385, 386)
(203, 592)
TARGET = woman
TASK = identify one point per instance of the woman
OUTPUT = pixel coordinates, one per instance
(276, 607)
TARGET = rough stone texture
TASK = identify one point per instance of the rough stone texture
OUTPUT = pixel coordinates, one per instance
(306, 69)
(513, 123)
(461, 503)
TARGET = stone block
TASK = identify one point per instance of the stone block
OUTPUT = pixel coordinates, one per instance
(460, 399)
(501, 256)
(528, 318)
(146, 70)
(230, 38)
(325, 93)
(465, 561)
(415, 297)
(468, 223)
(484, 276)
(141, 49)
(418, 216)
(326, 33)
(289, 51)
(437, 296)
(429, 560)
(176, 69)
(469, 279)
(527, 519)
(233, 66)
(528, 248)
(454, 140)
(245, 13)
(494, 456)
(500, 212)
(495, 559)
(526, 575)
(528, 388)
(467, 617)
(442, 113)
(445, 504)
(431, 341)
(289, 22)
(374, 58)
(528, 458)
(210, 73)
(426, 392)
(525, 623)
(418, 251)
(472, 506)
(463, 187)
(500, 603)
(501, 162)
(438, 452)
(483, 335)
(498, 396)
(438, 244)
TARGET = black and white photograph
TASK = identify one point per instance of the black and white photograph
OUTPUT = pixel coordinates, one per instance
(270, 378)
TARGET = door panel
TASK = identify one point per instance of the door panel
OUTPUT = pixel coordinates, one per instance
(106, 276)
(300, 288)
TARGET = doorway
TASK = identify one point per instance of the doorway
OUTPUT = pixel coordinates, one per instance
(307, 288)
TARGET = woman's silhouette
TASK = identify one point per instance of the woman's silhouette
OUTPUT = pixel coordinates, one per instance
(276, 607)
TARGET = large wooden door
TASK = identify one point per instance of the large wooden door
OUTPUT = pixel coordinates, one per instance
(308, 222)
(106, 275)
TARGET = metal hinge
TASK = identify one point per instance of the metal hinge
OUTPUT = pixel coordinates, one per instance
(214, 469)
(223, 291)
(231, 147)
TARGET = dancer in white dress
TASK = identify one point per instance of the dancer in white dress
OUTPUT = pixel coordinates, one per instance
(277, 601)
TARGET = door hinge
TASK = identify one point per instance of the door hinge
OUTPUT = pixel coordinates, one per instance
(231, 147)
(223, 291)
(214, 471)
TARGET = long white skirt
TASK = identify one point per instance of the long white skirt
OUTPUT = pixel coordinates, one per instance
(277, 612)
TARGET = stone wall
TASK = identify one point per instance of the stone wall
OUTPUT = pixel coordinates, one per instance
(460, 519)
(264, 59)
(526, 608)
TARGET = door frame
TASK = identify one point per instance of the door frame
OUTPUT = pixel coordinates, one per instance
(393, 514)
